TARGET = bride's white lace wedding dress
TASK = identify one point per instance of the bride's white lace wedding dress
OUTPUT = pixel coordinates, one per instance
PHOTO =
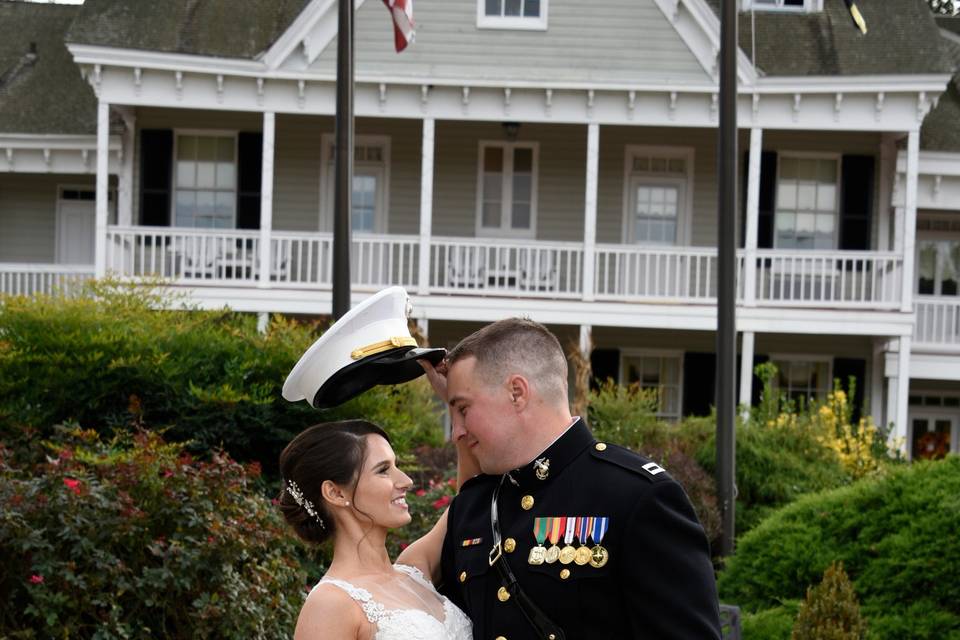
(407, 607)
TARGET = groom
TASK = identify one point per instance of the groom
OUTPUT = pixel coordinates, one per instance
(561, 536)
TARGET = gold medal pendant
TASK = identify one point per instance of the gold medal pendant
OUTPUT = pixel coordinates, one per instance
(537, 555)
(553, 554)
(567, 554)
(598, 557)
(583, 555)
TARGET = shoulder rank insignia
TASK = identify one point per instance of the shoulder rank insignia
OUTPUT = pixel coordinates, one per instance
(653, 468)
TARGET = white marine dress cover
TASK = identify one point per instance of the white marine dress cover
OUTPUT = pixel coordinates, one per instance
(404, 621)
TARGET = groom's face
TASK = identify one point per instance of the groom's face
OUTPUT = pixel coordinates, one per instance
(482, 416)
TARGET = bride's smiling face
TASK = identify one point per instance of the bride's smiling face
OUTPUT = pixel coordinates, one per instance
(382, 487)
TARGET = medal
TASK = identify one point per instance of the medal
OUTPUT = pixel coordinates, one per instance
(569, 552)
(538, 553)
(599, 555)
(583, 553)
(553, 553)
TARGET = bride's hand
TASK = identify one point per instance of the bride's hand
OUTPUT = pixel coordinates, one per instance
(437, 377)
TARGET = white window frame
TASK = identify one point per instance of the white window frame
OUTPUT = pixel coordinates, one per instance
(926, 412)
(809, 6)
(809, 155)
(629, 353)
(513, 23)
(217, 133)
(685, 213)
(327, 180)
(935, 236)
(805, 357)
(506, 193)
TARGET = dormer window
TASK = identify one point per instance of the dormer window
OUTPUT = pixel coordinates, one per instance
(799, 6)
(512, 14)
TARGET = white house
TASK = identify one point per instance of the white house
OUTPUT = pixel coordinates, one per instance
(547, 158)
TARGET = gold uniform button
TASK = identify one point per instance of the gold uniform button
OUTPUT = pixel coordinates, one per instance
(509, 545)
(502, 594)
(526, 502)
(564, 574)
(501, 638)
(600, 446)
(463, 576)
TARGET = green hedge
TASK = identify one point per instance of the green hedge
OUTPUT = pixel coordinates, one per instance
(896, 536)
(111, 359)
(133, 538)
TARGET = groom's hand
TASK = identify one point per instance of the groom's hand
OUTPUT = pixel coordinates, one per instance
(437, 377)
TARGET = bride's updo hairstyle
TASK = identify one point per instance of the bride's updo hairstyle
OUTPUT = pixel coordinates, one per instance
(333, 451)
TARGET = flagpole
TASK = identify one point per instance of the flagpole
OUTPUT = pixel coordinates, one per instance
(343, 153)
(726, 250)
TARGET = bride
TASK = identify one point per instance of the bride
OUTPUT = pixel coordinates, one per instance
(341, 483)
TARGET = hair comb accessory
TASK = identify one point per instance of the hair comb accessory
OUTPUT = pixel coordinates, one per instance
(298, 497)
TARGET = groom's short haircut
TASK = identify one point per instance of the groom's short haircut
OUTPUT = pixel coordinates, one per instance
(517, 345)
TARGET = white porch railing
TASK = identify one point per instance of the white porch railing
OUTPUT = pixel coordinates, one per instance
(839, 279)
(626, 273)
(27, 279)
(213, 256)
(937, 321)
(376, 261)
(485, 266)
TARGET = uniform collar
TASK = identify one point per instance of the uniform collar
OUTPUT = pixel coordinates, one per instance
(554, 458)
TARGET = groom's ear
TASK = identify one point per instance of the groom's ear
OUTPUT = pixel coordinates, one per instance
(332, 493)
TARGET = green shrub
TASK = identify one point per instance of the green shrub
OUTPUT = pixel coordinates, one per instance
(894, 532)
(770, 624)
(831, 610)
(133, 538)
(122, 355)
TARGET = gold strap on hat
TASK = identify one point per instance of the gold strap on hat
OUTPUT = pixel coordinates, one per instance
(383, 345)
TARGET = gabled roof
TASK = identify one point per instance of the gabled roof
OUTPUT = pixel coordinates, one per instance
(941, 127)
(41, 93)
(220, 28)
(902, 38)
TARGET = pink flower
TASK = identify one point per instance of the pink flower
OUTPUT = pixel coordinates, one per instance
(420, 493)
(404, 545)
(167, 473)
(36, 579)
(74, 485)
(441, 502)
(452, 482)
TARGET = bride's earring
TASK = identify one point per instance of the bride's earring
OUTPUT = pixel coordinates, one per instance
(347, 503)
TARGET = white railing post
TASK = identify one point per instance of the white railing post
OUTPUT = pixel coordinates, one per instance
(266, 198)
(746, 369)
(753, 207)
(426, 204)
(102, 194)
(909, 229)
(903, 389)
(590, 210)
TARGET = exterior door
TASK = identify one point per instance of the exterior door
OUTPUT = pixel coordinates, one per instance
(76, 229)
(933, 435)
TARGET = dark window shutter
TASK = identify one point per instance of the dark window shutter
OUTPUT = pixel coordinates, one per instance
(856, 202)
(605, 364)
(249, 174)
(156, 172)
(843, 370)
(768, 199)
(699, 376)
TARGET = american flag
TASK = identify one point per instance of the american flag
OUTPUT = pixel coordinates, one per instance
(402, 13)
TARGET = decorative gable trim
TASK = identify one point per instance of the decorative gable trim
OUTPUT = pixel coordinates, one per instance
(699, 28)
(314, 29)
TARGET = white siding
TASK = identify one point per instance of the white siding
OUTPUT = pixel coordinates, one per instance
(603, 41)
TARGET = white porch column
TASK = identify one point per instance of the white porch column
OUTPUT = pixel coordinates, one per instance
(426, 204)
(876, 382)
(103, 176)
(585, 339)
(909, 230)
(750, 238)
(890, 415)
(266, 197)
(590, 209)
(125, 182)
(887, 175)
(746, 368)
(903, 390)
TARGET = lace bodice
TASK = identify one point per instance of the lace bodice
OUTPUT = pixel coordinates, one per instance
(409, 623)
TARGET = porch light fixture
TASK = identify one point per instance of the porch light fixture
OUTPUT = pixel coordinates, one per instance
(511, 130)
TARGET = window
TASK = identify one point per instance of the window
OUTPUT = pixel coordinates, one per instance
(512, 14)
(807, 203)
(938, 267)
(371, 160)
(205, 180)
(507, 190)
(783, 5)
(660, 372)
(803, 378)
(658, 182)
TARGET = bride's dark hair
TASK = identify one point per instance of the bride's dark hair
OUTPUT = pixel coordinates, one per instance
(333, 451)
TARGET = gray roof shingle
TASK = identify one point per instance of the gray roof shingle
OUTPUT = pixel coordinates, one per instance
(220, 28)
(941, 127)
(45, 94)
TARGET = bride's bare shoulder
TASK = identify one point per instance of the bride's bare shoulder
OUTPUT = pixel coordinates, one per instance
(330, 612)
